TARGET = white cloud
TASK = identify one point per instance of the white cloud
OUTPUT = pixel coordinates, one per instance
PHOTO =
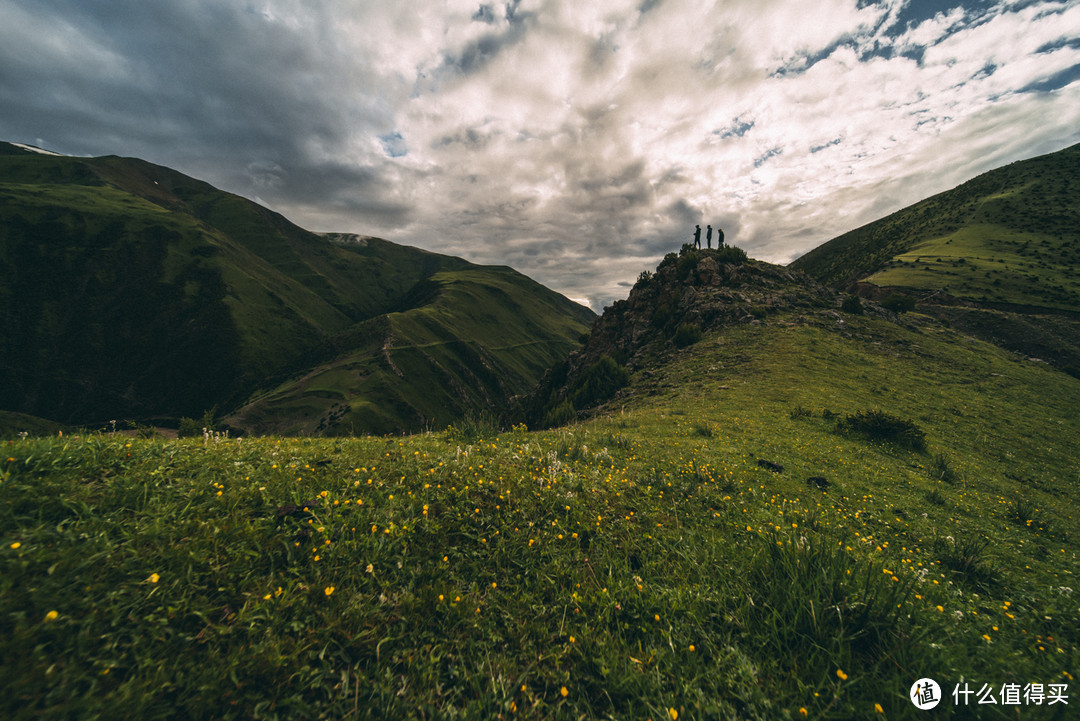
(576, 141)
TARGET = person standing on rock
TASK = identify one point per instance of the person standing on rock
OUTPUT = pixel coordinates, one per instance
(719, 238)
(697, 236)
(708, 238)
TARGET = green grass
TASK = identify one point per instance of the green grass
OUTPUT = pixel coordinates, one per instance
(988, 262)
(1007, 236)
(635, 560)
(135, 291)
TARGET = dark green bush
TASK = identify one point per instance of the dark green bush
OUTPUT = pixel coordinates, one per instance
(189, 428)
(601, 381)
(560, 415)
(730, 254)
(852, 304)
(883, 427)
(899, 303)
(687, 334)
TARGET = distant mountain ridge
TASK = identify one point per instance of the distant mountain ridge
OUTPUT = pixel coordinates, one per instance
(995, 256)
(129, 289)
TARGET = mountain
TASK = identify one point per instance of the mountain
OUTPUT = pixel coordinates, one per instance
(131, 290)
(996, 256)
(765, 500)
(690, 294)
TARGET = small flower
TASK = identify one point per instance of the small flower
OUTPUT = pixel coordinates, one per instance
(564, 692)
(15, 545)
(656, 616)
(154, 578)
(328, 590)
(841, 674)
(877, 707)
(51, 616)
(803, 711)
(673, 714)
(692, 649)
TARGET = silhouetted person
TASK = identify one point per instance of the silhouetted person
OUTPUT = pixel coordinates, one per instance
(719, 238)
(708, 238)
(697, 236)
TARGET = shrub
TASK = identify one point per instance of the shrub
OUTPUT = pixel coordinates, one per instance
(934, 497)
(799, 412)
(661, 315)
(601, 381)
(560, 415)
(687, 334)
(189, 428)
(730, 254)
(880, 426)
(852, 304)
(688, 263)
(899, 303)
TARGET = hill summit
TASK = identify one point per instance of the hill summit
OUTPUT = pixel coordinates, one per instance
(691, 293)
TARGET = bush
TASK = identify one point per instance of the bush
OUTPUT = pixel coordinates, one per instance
(560, 415)
(880, 426)
(601, 381)
(687, 334)
(799, 412)
(189, 428)
(899, 303)
(730, 254)
(852, 304)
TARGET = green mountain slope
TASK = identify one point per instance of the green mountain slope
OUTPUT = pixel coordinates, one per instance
(718, 540)
(997, 256)
(479, 337)
(128, 289)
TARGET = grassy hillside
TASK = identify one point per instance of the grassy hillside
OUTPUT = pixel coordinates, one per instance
(476, 338)
(720, 541)
(130, 290)
(1011, 235)
(996, 256)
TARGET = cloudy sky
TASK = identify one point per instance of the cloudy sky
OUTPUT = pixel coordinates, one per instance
(576, 141)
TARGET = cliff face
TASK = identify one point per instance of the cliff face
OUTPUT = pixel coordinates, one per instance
(691, 293)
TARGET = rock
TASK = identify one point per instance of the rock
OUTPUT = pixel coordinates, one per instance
(774, 467)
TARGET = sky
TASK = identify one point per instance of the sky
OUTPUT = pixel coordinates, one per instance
(578, 142)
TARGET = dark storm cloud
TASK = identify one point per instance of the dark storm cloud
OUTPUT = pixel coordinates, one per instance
(209, 87)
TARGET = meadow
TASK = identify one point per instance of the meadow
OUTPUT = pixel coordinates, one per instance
(714, 543)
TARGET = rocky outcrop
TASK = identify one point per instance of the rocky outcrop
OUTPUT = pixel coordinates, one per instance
(690, 293)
